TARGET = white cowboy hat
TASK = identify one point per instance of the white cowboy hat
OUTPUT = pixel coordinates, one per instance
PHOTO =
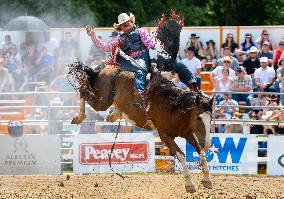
(122, 18)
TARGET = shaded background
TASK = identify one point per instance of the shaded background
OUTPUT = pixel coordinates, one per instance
(103, 13)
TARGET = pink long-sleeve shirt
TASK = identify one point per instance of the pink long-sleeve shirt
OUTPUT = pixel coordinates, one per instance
(107, 46)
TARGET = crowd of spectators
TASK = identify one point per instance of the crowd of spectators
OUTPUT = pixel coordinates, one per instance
(254, 65)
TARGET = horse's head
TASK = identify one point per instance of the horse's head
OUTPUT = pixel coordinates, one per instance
(204, 108)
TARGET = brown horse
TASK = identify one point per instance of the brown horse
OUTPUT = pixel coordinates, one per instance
(173, 112)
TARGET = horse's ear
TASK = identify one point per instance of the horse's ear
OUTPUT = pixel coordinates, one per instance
(211, 101)
(197, 99)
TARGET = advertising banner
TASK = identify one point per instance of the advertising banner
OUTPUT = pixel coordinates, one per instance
(228, 154)
(275, 154)
(132, 152)
(30, 154)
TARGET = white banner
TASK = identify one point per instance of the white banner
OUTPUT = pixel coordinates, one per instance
(133, 152)
(30, 154)
(275, 154)
(228, 154)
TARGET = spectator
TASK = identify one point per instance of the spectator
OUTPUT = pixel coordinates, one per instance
(255, 129)
(278, 53)
(223, 84)
(234, 128)
(279, 75)
(196, 44)
(260, 100)
(239, 55)
(67, 50)
(225, 112)
(4, 77)
(45, 66)
(211, 51)
(242, 83)
(248, 43)
(26, 44)
(96, 56)
(217, 72)
(281, 89)
(12, 57)
(264, 76)
(229, 42)
(61, 84)
(228, 112)
(178, 83)
(29, 62)
(277, 115)
(252, 62)
(50, 43)
(265, 52)
(20, 78)
(234, 62)
(6, 44)
(193, 64)
(264, 37)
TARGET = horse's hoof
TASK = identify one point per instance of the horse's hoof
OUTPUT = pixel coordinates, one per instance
(78, 119)
(207, 184)
(190, 189)
(110, 118)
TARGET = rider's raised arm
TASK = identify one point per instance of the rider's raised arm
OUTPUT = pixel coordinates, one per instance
(147, 40)
(104, 46)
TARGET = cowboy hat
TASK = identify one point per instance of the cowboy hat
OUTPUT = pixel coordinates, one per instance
(193, 35)
(226, 58)
(122, 18)
(210, 41)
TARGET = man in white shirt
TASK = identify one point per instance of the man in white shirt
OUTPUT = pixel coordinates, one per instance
(264, 76)
(49, 42)
(193, 64)
(217, 72)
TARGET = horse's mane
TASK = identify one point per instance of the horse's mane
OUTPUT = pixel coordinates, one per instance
(182, 100)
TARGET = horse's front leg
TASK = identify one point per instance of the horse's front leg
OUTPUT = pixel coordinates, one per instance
(169, 141)
(81, 116)
(206, 180)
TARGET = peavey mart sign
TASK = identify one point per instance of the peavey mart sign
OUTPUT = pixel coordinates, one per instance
(133, 152)
(228, 154)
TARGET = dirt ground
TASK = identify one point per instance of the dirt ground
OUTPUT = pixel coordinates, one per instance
(137, 186)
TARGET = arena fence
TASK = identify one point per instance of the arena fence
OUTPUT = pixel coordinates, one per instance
(66, 139)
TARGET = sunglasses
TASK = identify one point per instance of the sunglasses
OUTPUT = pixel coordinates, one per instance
(125, 25)
(252, 52)
(266, 34)
(226, 62)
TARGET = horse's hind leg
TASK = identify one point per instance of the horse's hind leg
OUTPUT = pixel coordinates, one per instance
(81, 116)
(169, 141)
(206, 182)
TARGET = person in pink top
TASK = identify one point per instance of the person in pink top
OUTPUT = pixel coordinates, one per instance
(135, 52)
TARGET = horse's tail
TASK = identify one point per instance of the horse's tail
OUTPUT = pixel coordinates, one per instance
(168, 33)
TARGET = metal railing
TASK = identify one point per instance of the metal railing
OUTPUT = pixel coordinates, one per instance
(68, 138)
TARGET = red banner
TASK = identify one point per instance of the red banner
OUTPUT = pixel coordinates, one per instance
(131, 152)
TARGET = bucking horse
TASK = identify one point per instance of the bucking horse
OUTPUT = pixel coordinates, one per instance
(171, 111)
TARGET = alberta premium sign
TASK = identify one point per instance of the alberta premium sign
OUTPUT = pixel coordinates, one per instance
(30, 154)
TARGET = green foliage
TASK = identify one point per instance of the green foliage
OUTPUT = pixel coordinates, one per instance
(78, 13)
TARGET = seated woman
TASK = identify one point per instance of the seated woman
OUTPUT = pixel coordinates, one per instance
(223, 84)
(248, 43)
(230, 43)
